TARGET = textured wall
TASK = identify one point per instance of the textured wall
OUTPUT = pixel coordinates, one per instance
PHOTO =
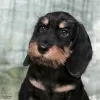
(18, 17)
(17, 21)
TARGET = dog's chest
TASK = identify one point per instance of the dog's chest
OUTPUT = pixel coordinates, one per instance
(50, 77)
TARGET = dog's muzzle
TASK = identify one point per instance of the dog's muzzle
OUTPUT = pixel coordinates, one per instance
(52, 56)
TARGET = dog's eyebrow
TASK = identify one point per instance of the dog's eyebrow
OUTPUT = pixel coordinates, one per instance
(62, 24)
(45, 20)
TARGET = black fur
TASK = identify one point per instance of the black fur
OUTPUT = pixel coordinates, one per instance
(71, 72)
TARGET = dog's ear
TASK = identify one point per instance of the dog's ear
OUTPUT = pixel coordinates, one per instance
(82, 52)
(27, 61)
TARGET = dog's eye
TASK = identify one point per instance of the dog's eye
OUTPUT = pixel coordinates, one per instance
(64, 33)
(41, 29)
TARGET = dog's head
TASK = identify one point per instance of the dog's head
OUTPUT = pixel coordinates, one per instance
(60, 40)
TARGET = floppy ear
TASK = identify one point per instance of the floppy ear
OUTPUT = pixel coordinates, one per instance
(27, 61)
(82, 52)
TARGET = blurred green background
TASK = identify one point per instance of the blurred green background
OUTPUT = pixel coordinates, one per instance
(17, 21)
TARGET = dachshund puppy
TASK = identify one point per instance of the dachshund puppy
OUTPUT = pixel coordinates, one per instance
(58, 54)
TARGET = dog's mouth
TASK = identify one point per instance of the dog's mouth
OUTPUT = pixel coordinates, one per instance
(54, 57)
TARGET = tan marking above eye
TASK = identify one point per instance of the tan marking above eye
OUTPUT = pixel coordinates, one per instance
(45, 21)
(62, 24)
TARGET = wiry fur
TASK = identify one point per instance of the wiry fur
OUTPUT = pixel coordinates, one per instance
(58, 54)
(53, 58)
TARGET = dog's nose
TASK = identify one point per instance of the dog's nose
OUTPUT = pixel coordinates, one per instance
(43, 49)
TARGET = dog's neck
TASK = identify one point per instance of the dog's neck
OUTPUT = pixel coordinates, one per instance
(45, 78)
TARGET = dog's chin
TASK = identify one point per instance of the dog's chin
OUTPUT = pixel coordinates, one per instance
(47, 62)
